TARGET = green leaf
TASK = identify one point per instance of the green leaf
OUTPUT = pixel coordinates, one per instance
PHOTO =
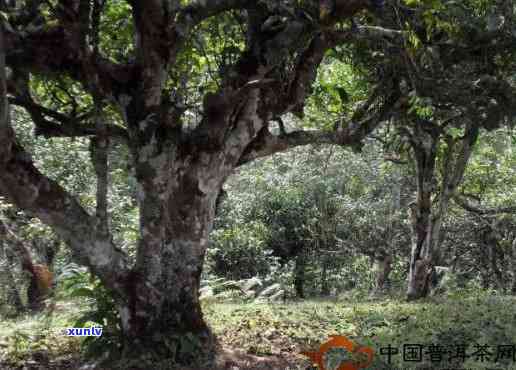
(83, 292)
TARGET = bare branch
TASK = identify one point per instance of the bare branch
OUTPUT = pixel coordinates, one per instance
(60, 125)
(375, 32)
(51, 51)
(309, 61)
(266, 143)
(394, 159)
(468, 142)
(197, 11)
(463, 203)
(63, 126)
(306, 72)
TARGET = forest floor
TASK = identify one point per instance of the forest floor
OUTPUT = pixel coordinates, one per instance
(272, 336)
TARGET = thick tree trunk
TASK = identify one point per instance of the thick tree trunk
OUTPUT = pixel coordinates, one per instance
(178, 190)
(165, 320)
(427, 223)
(163, 316)
(420, 269)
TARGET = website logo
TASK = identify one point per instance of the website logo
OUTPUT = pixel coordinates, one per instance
(360, 357)
(93, 331)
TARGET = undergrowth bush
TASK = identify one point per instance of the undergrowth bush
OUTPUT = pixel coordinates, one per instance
(78, 283)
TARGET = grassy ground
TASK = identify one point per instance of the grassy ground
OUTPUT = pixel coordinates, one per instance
(287, 329)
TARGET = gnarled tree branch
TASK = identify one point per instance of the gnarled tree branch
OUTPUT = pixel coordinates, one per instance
(267, 144)
(62, 125)
(463, 203)
(50, 51)
(197, 11)
(23, 185)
